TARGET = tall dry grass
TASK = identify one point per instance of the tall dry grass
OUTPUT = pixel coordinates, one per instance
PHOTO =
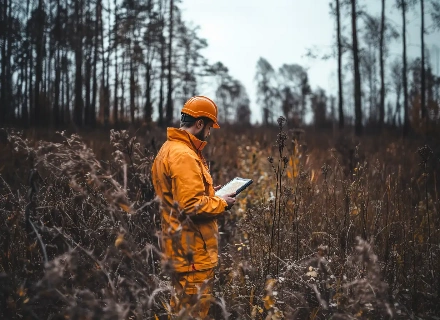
(330, 228)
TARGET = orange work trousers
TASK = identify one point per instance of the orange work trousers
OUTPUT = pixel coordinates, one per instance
(192, 293)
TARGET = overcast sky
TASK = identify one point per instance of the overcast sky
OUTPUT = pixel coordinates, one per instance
(239, 32)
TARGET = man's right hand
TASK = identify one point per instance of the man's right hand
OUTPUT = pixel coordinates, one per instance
(230, 200)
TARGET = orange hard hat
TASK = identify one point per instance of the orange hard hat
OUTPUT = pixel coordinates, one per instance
(201, 106)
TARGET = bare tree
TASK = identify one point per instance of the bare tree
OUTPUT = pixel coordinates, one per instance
(162, 62)
(368, 63)
(222, 80)
(243, 114)
(169, 105)
(319, 107)
(294, 89)
(357, 75)
(382, 67)
(425, 116)
(266, 90)
(116, 114)
(40, 20)
(340, 91)
(404, 5)
(396, 76)
(79, 28)
(190, 64)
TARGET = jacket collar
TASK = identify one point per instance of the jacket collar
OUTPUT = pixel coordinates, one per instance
(175, 134)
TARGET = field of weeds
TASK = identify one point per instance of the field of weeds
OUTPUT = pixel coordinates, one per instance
(333, 227)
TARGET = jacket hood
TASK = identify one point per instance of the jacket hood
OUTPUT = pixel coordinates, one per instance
(175, 134)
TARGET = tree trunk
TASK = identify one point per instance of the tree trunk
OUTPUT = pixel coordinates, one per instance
(341, 95)
(57, 65)
(115, 102)
(39, 46)
(98, 20)
(24, 106)
(357, 75)
(115, 98)
(78, 108)
(382, 68)
(162, 78)
(370, 76)
(46, 78)
(406, 125)
(115, 45)
(88, 79)
(266, 116)
(109, 52)
(31, 89)
(104, 90)
(148, 110)
(303, 107)
(9, 97)
(122, 113)
(68, 110)
(425, 116)
(148, 107)
(107, 70)
(56, 103)
(30, 70)
(169, 115)
(63, 103)
(3, 99)
(132, 88)
(19, 94)
(374, 88)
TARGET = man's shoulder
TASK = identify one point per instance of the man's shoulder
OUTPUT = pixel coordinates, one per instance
(175, 149)
(180, 154)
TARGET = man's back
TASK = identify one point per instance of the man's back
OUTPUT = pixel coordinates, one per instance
(189, 208)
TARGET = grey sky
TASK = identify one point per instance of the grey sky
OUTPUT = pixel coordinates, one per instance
(241, 31)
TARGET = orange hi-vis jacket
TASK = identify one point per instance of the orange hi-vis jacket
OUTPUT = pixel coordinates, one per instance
(183, 183)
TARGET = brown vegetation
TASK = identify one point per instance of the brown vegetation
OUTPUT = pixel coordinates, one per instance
(331, 227)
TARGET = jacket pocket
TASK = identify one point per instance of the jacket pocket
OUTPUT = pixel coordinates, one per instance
(207, 234)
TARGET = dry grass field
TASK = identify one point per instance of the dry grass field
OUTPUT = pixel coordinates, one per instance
(333, 227)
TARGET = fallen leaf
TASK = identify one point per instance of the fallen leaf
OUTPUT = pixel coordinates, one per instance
(124, 207)
(119, 240)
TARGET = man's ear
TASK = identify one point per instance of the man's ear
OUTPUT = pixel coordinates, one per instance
(199, 124)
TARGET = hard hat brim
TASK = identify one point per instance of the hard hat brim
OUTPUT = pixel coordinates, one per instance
(216, 125)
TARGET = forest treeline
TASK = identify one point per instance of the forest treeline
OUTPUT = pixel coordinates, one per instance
(92, 61)
(375, 88)
(95, 62)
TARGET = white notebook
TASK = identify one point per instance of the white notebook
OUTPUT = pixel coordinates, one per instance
(236, 186)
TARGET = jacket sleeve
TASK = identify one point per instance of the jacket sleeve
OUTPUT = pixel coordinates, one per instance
(188, 187)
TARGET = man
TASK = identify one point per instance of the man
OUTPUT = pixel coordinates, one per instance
(189, 207)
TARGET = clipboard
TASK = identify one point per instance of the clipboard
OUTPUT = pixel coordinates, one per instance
(236, 185)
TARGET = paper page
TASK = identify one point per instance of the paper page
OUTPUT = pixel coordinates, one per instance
(231, 187)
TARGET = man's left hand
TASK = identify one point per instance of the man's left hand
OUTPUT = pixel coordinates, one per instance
(217, 188)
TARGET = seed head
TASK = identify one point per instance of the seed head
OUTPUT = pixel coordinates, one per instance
(281, 121)
(281, 141)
